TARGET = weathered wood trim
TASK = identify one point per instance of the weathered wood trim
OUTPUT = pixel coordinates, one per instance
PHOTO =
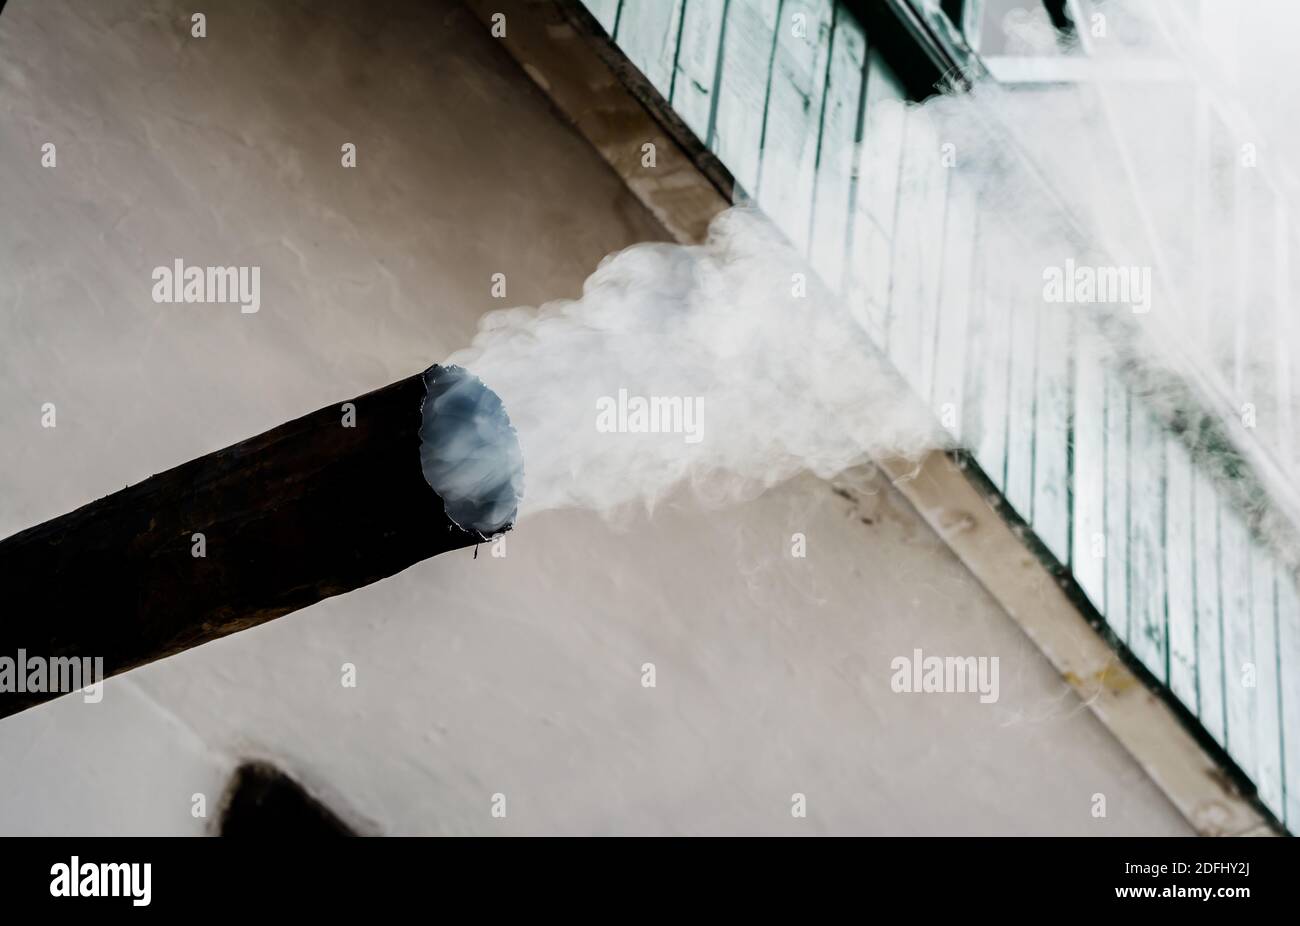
(564, 50)
(612, 109)
(1196, 776)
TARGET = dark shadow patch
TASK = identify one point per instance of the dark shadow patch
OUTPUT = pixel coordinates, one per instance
(263, 801)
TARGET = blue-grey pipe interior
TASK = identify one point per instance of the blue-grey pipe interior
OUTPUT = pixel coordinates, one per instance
(469, 451)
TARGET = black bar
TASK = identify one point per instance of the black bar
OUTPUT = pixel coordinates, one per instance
(977, 878)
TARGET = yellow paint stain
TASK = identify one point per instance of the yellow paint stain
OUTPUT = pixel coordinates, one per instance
(1114, 678)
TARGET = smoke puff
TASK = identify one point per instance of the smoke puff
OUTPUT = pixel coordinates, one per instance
(1098, 173)
(787, 381)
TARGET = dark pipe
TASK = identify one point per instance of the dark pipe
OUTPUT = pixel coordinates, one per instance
(310, 509)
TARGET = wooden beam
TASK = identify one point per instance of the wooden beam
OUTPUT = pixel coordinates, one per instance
(316, 507)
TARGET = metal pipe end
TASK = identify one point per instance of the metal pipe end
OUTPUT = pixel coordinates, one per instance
(469, 451)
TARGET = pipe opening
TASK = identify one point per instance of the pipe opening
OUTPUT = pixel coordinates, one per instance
(469, 451)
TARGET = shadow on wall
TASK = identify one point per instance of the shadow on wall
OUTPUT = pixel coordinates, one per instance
(263, 801)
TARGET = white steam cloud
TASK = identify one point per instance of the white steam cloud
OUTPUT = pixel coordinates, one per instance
(787, 381)
(1141, 164)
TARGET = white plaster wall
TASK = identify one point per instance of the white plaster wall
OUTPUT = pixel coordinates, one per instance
(518, 675)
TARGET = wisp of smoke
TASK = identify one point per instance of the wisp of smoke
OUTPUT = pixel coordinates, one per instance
(746, 372)
(709, 366)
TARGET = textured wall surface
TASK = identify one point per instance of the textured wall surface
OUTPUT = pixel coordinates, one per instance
(518, 675)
